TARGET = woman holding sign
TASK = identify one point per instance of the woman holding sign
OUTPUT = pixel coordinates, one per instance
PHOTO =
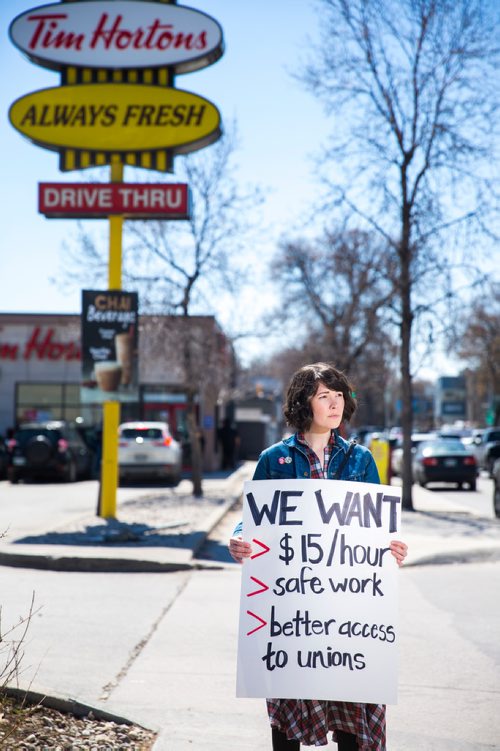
(318, 399)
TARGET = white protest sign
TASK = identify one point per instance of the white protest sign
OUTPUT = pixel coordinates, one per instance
(318, 613)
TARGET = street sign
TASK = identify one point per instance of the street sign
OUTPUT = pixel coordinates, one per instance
(116, 105)
(110, 369)
(98, 201)
(118, 34)
(109, 118)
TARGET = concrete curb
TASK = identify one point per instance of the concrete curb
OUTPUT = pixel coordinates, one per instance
(70, 563)
(59, 558)
(70, 706)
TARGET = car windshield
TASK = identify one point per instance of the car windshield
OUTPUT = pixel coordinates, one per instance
(494, 435)
(25, 434)
(147, 433)
(439, 448)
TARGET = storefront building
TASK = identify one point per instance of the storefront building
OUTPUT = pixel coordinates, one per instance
(40, 373)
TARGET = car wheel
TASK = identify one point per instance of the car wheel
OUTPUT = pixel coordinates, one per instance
(13, 478)
(460, 485)
(71, 473)
(39, 451)
(472, 485)
(496, 500)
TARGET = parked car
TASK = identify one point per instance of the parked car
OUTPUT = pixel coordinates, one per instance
(461, 434)
(496, 488)
(397, 450)
(92, 438)
(48, 450)
(147, 450)
(444, 460)
(4, 460)
(487, 447)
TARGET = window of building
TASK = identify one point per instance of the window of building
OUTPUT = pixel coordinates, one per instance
(47, 401)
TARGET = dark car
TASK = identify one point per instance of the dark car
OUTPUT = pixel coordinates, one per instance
(92, 438)
(495, 473)
(4, 459)
(444, 460)
(49, 450)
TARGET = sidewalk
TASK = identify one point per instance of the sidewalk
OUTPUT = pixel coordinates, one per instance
(164, 530)
(160, 649)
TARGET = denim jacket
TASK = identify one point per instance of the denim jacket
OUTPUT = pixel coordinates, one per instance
(360, 466)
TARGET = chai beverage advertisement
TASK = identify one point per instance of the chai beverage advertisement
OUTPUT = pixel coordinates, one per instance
(109, 347)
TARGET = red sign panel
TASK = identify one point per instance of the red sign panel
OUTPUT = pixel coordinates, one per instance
(118, 34)
(98, 201)
(41, 345)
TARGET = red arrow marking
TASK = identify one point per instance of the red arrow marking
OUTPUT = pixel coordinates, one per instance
(264, 587)
(262, 622)
(263, 545)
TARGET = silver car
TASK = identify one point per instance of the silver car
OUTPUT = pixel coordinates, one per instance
(147, 450)
(397, 451)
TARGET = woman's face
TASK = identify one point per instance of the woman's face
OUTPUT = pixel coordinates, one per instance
(327, 408)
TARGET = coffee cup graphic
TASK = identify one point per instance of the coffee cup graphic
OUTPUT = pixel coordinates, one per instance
(108, 374)
(124, 355)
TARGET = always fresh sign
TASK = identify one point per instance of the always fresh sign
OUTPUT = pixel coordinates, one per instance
(106, 117)
(118, 34)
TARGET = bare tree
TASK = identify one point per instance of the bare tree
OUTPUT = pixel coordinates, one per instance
(187, 267)
(336, 294)
(410, 84)
(208, 354)
(477, 341)
(197, 259)
(13, 640)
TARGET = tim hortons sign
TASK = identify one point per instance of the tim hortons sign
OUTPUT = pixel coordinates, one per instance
(118, 34)
(117, 101)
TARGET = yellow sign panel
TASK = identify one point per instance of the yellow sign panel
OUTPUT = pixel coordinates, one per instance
(381, 451)
(125, 118)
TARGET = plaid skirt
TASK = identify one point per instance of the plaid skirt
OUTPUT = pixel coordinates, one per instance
(309, 721)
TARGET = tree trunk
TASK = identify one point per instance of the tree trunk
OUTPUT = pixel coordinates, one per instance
(406, 411)
(195, 443)
(406, 384)
(192, 422)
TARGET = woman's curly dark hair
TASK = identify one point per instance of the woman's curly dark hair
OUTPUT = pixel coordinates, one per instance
(304, 384)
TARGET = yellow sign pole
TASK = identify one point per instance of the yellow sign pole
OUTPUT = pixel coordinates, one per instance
(111, 410)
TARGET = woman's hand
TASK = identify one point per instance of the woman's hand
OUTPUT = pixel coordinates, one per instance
(399, 551)
(239, 549)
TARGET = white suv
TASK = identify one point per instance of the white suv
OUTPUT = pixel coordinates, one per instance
(147, 450)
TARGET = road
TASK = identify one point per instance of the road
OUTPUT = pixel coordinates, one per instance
(478, 502)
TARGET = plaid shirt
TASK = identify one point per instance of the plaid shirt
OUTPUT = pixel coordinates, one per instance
(309, 721)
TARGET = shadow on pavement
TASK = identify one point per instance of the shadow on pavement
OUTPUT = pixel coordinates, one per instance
(215, 551)
(120, 534)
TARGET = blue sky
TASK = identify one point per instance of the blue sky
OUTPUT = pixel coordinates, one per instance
(279, 126)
